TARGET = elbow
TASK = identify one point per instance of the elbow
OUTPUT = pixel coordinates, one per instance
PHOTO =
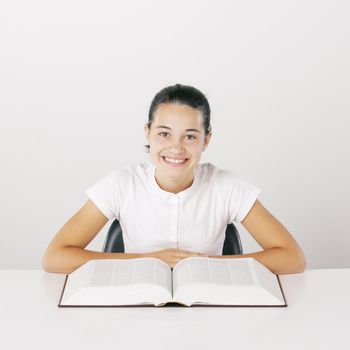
(301, 265)
(46, 266)
(292, 261)
(52, 261)
(298, 263)
(47, 262)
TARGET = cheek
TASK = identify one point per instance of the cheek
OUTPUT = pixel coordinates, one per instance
(157, 145)
(196, 146)
(195, 150)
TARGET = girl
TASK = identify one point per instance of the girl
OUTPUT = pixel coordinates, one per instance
(174, 207)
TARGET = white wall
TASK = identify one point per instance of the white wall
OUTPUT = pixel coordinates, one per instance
(77, 78)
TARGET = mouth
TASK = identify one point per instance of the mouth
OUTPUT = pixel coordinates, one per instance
(178, 162)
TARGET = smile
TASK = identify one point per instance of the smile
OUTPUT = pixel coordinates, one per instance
(175, 160)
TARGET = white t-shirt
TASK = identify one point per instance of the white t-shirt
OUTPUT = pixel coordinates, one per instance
(153, 219)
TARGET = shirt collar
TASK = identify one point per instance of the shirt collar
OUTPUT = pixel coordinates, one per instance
(169, 195)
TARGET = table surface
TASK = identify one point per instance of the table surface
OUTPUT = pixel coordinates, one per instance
(317, 317)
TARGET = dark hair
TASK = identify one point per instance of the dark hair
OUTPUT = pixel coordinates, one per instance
(182, 94)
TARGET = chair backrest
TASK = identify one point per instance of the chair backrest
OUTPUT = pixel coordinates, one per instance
(114, 241)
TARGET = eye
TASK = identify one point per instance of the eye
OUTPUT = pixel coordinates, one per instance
(163, 134)
(190, 137)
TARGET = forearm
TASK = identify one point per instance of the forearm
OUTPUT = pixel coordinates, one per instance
(67, 259)
(278, 260)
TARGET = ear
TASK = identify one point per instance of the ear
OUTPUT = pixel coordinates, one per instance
(206, 141)
(147, 131)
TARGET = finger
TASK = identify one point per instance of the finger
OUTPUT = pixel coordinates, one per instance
(183, 255)
(184, 252)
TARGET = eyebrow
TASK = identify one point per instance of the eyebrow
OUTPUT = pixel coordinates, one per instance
(167, 127)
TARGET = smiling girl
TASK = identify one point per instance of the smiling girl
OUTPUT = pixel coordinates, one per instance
(174, 207)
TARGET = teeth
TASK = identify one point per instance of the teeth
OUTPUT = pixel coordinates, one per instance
(175, 161)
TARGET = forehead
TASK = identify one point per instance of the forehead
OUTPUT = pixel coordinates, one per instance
(177, 114)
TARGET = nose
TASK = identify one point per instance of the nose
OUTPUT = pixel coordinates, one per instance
(177, 145)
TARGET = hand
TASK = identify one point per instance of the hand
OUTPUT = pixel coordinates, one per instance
(172, 255)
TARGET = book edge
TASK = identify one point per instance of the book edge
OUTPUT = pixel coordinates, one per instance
(173, 301)
(62, 292)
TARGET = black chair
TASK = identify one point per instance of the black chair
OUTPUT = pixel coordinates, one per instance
(114, 241)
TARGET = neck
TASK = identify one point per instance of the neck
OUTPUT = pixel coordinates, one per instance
(173, 185)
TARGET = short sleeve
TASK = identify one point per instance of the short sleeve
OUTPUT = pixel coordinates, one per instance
(105, 195)
(240, 197)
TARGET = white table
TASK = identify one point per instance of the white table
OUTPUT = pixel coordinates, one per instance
(317, 317)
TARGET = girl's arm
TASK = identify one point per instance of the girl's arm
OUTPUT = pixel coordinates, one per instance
(66, 251)
(281, 254)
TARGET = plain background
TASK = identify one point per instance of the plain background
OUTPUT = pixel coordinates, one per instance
(77, 79)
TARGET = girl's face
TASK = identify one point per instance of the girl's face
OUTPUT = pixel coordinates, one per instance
(177, 140)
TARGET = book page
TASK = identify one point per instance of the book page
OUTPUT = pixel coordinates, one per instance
(212, 271)
(236, 281)
(119, 282)
(128, 272)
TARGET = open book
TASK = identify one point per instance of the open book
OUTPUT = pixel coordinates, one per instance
(193, 281)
